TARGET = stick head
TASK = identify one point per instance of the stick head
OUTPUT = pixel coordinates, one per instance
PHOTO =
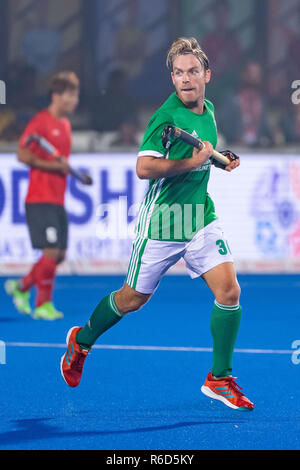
(87, 179)
(166, 136)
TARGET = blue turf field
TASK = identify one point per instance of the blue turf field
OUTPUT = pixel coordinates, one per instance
(151, 399)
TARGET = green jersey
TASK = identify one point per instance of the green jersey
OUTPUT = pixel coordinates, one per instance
(177, 207)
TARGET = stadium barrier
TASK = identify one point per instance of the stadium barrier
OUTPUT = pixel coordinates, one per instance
(258, 205)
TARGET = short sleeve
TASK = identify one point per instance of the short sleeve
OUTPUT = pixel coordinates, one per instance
(33, 127)
(152, 142)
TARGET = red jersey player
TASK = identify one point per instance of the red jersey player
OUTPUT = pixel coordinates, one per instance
(45, 213)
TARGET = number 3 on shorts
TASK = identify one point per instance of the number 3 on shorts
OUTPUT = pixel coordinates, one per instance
(223, 246)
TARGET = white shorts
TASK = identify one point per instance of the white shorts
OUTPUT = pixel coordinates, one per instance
(150, 259)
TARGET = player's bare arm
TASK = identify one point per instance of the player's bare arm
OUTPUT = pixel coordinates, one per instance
(27, 157)
(153, 168)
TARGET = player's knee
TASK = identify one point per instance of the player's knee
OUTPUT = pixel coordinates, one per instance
(230, 294)
(134, 304)
(130, 302)
(52, 253)
(60, 257)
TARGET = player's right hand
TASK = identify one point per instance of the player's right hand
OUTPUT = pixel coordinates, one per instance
(62, 165)
(200, 156)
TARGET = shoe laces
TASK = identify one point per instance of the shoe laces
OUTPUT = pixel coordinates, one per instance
(78, 361)
(232, 385)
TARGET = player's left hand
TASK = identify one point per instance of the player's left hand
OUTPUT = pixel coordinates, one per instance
(234, 160)
(62, 165)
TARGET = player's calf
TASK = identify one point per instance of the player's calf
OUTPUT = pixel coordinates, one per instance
(128, 300)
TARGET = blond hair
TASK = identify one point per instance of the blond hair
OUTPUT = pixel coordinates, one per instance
(186, 46)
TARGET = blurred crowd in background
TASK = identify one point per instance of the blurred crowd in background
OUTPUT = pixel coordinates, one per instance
(118, 49)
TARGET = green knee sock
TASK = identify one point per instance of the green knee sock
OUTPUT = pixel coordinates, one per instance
(225, 322)
(104, 317)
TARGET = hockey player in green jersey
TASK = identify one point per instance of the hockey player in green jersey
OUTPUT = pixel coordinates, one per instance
(176, 220)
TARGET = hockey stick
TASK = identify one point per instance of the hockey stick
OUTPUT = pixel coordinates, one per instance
(49, 148)
(173, 131)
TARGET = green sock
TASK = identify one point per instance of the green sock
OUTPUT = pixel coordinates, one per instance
(225, 322)
(104, 317)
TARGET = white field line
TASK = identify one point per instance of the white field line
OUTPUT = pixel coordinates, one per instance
(148, 348)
